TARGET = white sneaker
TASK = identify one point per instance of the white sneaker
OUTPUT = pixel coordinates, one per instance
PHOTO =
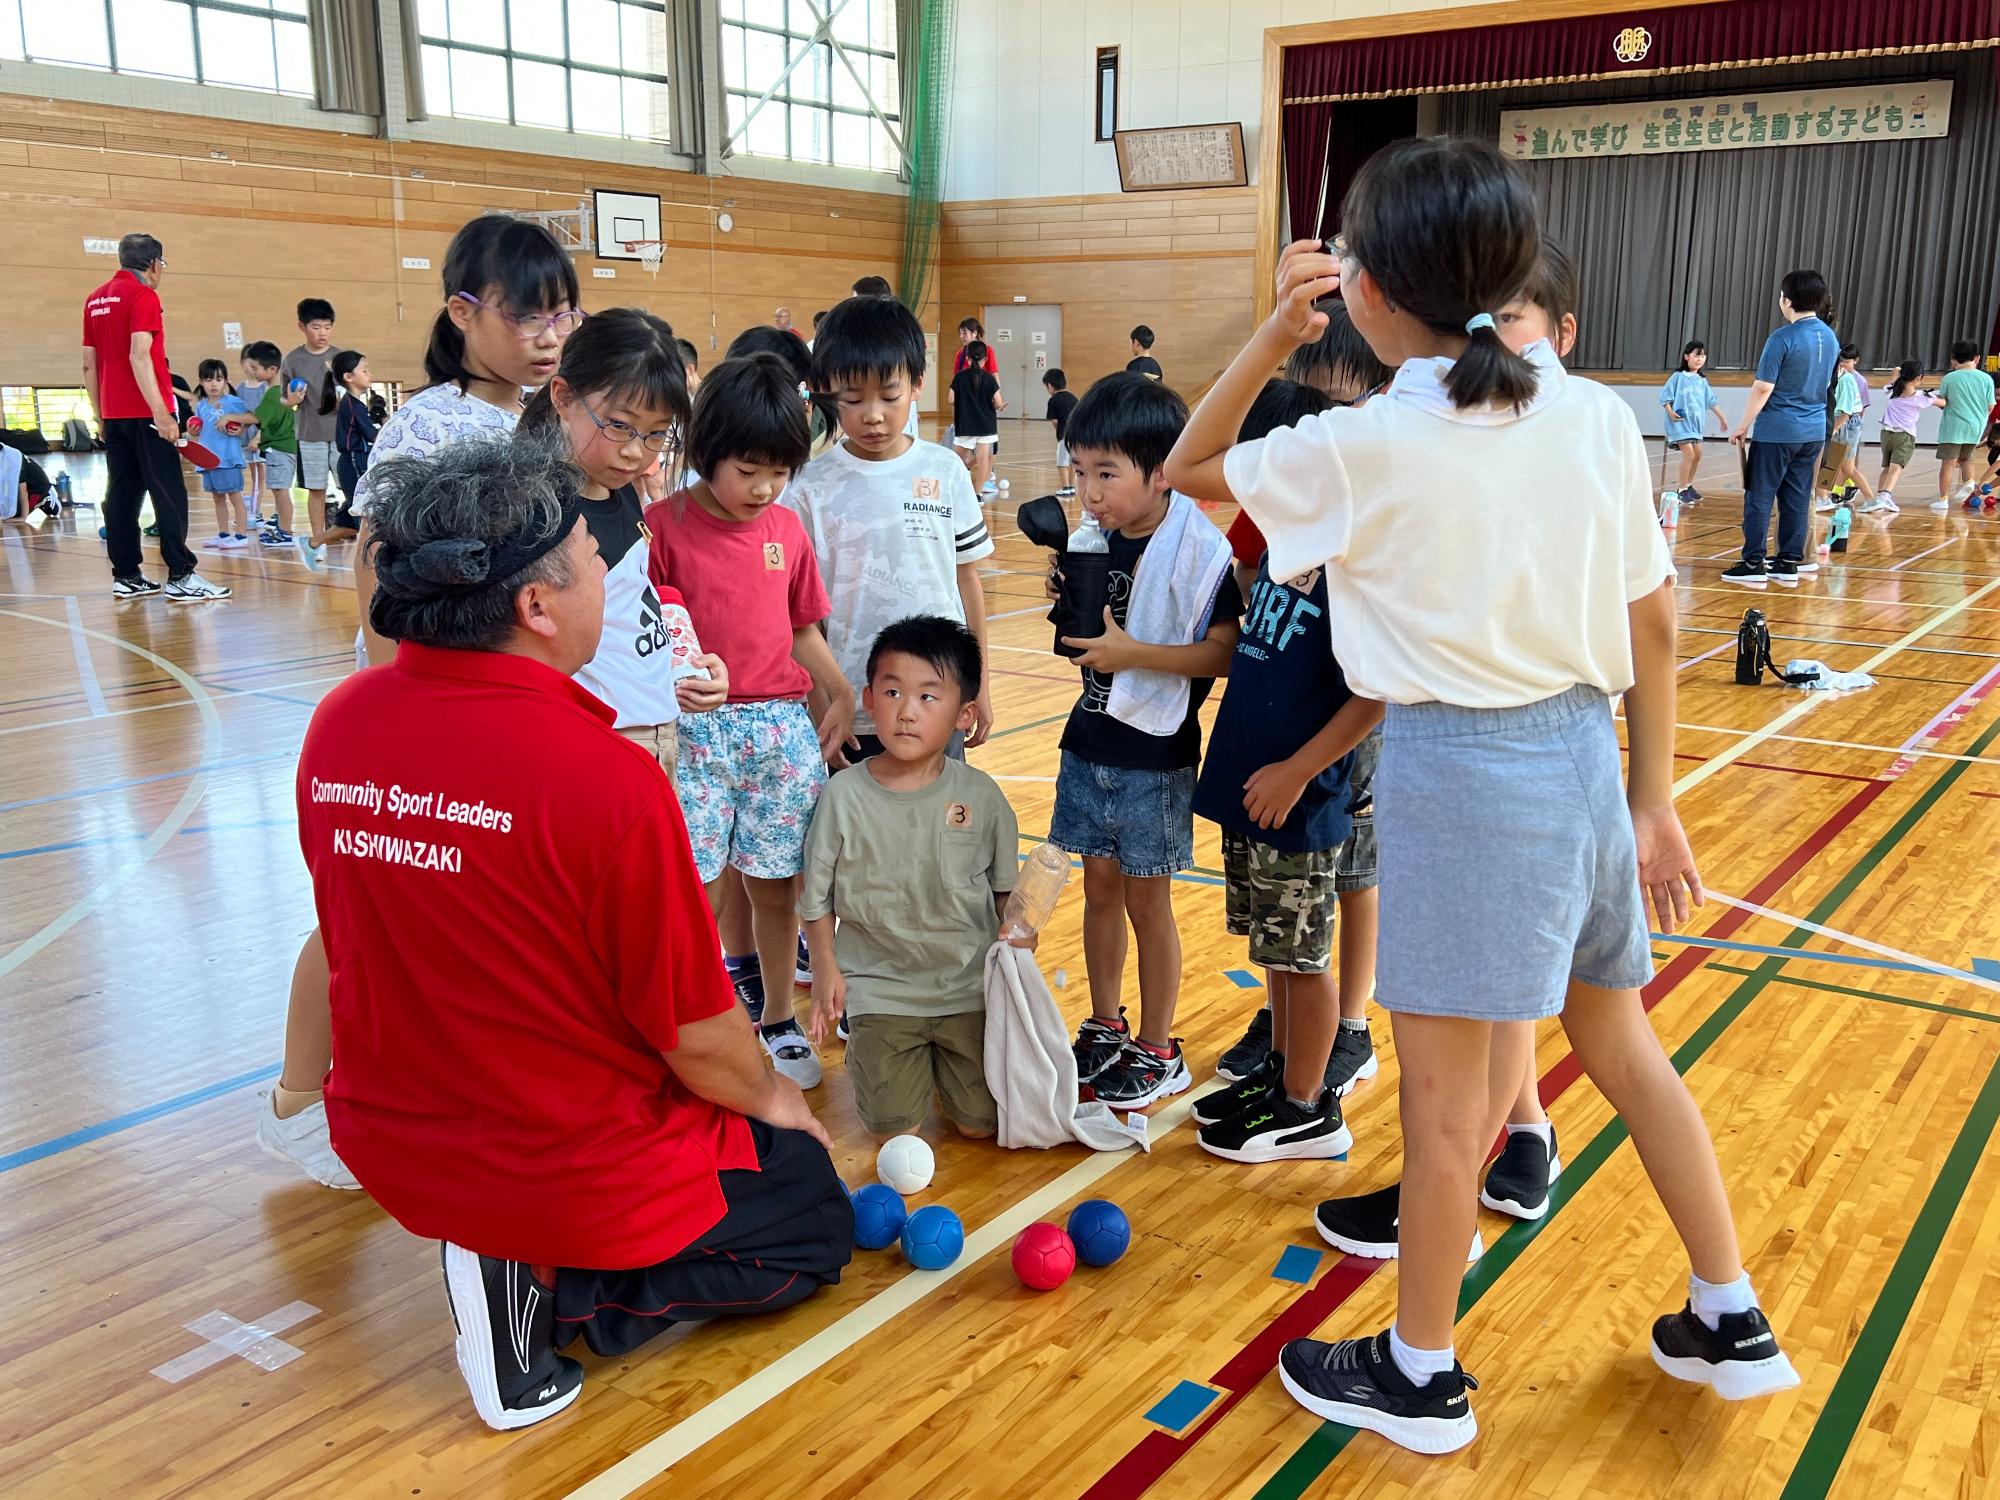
(1940, 503)
(194, 589)
(313, 557)
(1887, 501)
(217, 543)
(235, 543)
(303, 1141)
(1823, 504)
(792, 1054)
(1876, 507)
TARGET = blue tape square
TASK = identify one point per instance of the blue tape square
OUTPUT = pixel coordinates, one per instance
(1243, 979)
(1181, 1406)
(1986, 968)
(1297, 1264)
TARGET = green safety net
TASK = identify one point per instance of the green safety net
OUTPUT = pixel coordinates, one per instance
(926, 31)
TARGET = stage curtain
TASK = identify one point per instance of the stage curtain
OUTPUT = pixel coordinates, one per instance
(1306, 131)
(1683, 38)
(1361, 127)
(1677, 247)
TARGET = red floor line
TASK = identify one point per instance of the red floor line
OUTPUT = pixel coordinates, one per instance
(1148, 1461)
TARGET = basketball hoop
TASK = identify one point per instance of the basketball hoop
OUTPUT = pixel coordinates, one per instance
(650, 253)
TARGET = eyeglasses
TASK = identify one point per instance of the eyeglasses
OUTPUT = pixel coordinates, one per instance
(1339, 248)
(624, 433)
(532, 325)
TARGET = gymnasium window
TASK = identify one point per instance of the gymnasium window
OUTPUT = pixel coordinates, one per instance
(244, 44)
(43, 409)
(829, 70)
(595, 67)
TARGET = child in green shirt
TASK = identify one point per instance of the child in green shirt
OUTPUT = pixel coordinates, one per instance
(275, 438)
(1968, 397)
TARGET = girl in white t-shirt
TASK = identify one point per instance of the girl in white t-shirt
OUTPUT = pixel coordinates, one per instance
(1512, 858)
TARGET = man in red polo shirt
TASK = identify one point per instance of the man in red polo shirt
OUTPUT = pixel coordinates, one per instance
(537, 1056)
(125, 371)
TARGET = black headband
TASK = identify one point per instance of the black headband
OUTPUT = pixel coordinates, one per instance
(469, 563)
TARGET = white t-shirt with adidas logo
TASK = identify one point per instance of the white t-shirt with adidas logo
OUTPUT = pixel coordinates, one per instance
(633, 670)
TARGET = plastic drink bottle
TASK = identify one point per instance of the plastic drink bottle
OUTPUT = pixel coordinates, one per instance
(1088, 537)
(1043, 874)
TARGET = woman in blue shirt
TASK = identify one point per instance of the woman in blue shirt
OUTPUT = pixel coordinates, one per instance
(1689, 399)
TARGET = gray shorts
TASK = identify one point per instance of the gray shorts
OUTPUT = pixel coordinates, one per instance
(1062, 455)
(1512, 868)
(315, 460)
(281, 469)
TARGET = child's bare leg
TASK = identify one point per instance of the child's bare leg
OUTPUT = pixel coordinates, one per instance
(1313, 1001)
(1527, 1107)
(1280, 1008)
(1149, 902)
(1690, 461)
(1359, 918)
(1851, 471)
(282, 498)
(775, 923)
(308, 1032)
(221, 514)
(316, 513)
(1104, 935)
(1890, 474)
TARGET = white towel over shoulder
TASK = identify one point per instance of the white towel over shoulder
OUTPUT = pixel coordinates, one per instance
(1173, 597)
(1031, 1070)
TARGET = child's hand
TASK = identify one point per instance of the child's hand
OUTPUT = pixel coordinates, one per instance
(1272, 792)
(982, 719)
(829, 1001)
(1666, 865)
(697, 696)
(1028, 940)
(1052, 585)
(1114, 651)
(1306, 273)
(836, 730)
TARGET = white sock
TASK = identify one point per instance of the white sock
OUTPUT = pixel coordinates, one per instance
(1354, 1025)
(1711, 1301)
(1545, 1132)
(1418, 1365)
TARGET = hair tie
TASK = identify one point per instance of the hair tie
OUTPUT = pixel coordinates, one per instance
(1478, 321)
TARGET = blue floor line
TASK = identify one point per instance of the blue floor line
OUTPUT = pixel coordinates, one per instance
(134, 838)
(1858, 960)
(56, 1145)
(119, 786)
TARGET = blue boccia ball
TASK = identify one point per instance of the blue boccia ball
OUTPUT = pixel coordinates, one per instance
(933, 1238)
(879, 1216)
(1101, 1231)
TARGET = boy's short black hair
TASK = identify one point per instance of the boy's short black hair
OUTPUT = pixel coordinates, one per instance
(868, 336)
(764, 339)
(1143, 336)
(749, 409)
(1282, 403)
(315, 309)
(945, 644)
(1055, 380)
(689, 353)
(1805, 290)
(818, 318)
(873, 286)
(1339, 358)
(1129, 414)
(1850, 351)
(1964, 352)
(264, 352)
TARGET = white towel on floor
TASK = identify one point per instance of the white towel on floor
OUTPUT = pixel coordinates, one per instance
(1173, 597)
(1031, 1070)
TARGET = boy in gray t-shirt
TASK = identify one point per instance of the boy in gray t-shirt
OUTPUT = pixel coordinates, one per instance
(314, 429)
(914, 853)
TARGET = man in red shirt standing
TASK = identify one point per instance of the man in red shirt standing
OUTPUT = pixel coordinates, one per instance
(537, 1056)
(125, 371)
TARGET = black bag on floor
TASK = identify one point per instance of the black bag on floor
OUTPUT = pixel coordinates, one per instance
(76, 436)
(1753, 648)
(1083, 577)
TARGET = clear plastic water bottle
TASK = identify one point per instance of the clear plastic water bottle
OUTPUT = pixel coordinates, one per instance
(1088, 537)
(1044, 873)
(1670, 509)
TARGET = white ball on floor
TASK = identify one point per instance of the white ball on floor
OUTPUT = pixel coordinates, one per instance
(905, 1164)
(1005, 485)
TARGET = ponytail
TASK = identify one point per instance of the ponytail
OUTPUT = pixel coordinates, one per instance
(329, 393)
(497, 258)
(1906, 376)
(1488, 373)
(338, 369)
(539, 415)
(444, 354)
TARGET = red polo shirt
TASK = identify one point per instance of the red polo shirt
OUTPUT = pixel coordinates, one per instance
(123, 306)
(516, 933)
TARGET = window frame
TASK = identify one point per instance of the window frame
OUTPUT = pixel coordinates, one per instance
(194, 9)
(1106, 67)
(734, 141)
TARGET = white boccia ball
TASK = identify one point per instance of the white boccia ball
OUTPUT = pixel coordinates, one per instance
(1005, 485)
(905, 1165)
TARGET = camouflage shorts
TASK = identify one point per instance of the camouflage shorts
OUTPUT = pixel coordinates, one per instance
(1285, 903)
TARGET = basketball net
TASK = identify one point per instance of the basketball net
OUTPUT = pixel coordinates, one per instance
(650, 253)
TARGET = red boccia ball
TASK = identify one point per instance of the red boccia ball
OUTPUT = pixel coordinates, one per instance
(1043, 1257)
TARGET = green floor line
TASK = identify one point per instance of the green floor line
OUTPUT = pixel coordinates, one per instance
(1001, 734)
(1841, 989)
(1318, 1451)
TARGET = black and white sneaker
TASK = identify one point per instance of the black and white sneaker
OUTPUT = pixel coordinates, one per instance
(1228, 1102)
(1367, 1224)
(750, 990)
(1352, 1059)
(792, 1053)
(1750, 575)
(802, 969)
(1739, 1357)
(136, 587)
(1140, 1077)
(1781, 570)
(1807, 565)
(1098, 1045)
(506, 1346)
(1275, 1129)
(1518, 1181)
(1240, 1061)
(1356, 1382)
(192, 588)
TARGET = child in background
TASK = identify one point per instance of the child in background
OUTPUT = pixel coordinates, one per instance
(1837, 468)
(1689, 399)
(1142, 361)
(691, 359)
(1906, 404)
(1125, 787)
(893, 520)
(1967, 392)
(1500, 752)
(971, 331)
(1275, 780)
(302, 377)
(223, 418)
(975, 415)
(1062, 401)
(913, 853)
(273, 434)
(619, 398)
(251, 391)
(751, 770)
(348, 387)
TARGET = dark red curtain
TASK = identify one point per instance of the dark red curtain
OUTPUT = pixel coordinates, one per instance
(1740, 31)
(1361, 127)
(1306, 129)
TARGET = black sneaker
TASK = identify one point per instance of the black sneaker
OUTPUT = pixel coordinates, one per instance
(1139, 1077)
(506, 1347)
(136, 587)
(1352, 1059)
(1240, 1061)
(802, 969)
(1518, 1181)
(1230, 1101)
(750, 990)
(1781, 570)
(1275, 1129)
(1366, 1224)
(840, 1027)
(1357, 1383)
(1750, 575)
(1098, 1045)
(1739, 1357)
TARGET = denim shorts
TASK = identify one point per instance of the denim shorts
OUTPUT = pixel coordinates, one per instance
(1355, 869)
(1509, 865)
(223, 481)
(749, 777)
(1142, 819)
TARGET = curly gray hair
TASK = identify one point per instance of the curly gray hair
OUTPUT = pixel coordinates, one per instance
(442, 525)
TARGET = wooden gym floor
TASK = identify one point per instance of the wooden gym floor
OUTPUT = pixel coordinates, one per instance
(1838, 1017)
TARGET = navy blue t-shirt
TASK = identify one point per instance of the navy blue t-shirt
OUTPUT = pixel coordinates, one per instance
(1284, 684)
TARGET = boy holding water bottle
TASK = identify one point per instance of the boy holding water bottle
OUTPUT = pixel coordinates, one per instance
(913, 853)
